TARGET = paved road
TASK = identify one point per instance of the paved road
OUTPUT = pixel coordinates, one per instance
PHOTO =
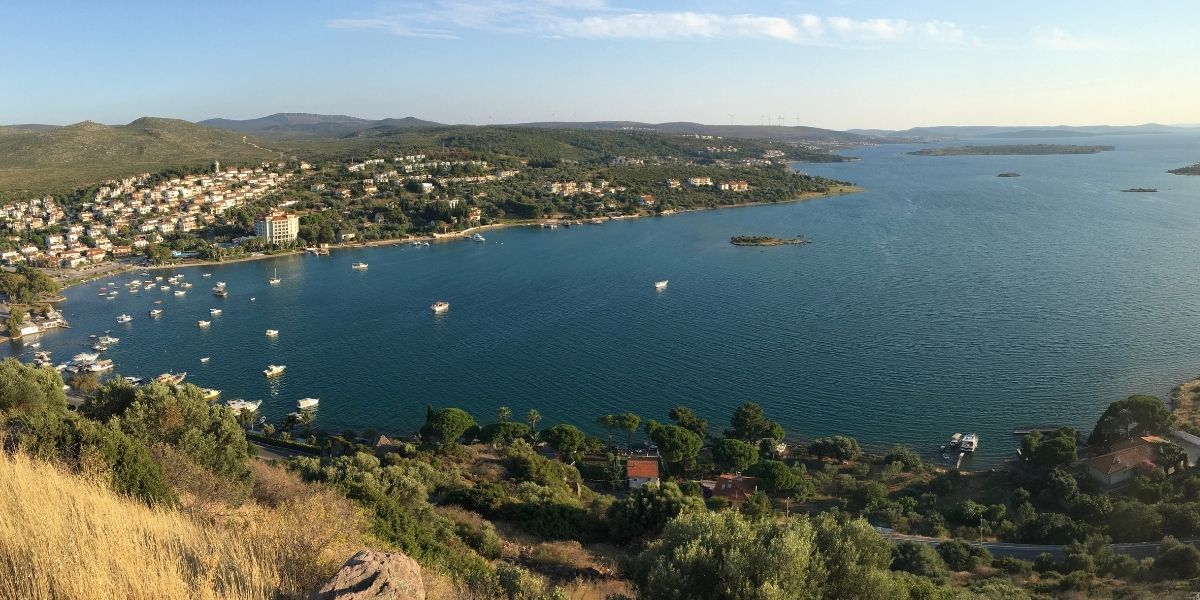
(266, 452)
(1030, 551)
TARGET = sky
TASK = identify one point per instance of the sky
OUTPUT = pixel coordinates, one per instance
(836, 64)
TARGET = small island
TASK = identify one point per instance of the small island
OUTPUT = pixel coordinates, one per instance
(1141, 190)
(1192, 170)
(1009, 174)
(762, 240)
(1012, 149)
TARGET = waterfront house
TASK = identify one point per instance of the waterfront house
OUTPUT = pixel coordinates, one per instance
(641, 471)
(735, 488)
(1124, 460)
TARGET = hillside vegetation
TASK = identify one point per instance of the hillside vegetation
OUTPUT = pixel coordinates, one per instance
(34, 161)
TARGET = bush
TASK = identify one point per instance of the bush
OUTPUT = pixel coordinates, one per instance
(484, 498)
(1134, 522)
(648, 509)
(1177, 561)
(839, 447)
(907, 457)
(1013, 565)
(961, 556)
(504, 433)
(1045, 563)
(918, 559)
(775, 476)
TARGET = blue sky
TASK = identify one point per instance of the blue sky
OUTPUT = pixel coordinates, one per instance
(837, 64)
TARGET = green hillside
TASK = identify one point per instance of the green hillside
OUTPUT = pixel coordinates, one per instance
(56, 159)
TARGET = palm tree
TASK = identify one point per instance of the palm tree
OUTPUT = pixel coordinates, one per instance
(504, 413)
(533, 416)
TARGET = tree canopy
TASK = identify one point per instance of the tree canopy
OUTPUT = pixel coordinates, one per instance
(449, 424)
(679, 447)
(733, 455)
(751, 424)
(25, 387)
(1136, 415)
(567, 439)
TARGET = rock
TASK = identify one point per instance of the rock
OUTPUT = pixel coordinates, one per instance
(371, 575)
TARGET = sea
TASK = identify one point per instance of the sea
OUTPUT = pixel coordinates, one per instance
(941, 299)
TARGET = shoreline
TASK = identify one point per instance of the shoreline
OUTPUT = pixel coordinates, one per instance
(444, 237)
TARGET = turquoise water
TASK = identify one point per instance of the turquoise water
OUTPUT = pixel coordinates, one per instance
(943, 299)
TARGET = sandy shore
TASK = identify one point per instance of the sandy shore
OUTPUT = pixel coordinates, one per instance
(117, 268)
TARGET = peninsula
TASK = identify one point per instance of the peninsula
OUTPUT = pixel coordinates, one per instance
(762, 240)
(1011, 149)
(1192, 170)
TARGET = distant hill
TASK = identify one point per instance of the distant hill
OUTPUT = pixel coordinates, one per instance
(775, 133)
(38, 160)
(306, 125)
(978, 131)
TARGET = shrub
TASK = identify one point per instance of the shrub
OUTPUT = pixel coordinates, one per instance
(1045, 563)
(839, 447)
(918, 559)
(1013, 565)
(906, 456)
(961, 556)
(1177, 561)
(484, 498)
(503, 433)
(648, 509)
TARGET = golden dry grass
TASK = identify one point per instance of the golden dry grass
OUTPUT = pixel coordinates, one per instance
(1185, 401)
(64, 537)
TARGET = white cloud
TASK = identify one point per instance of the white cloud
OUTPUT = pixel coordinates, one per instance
(1059, 39)
(596, 19)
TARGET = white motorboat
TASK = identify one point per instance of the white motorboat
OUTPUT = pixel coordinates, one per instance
(440, 306)
(214, 311)
(272, 333)
(204, 359)
(239, 405)
(273, 370)
(307, 403)
(180, 292)
(660, 285)
(156, 312)
(969, 443)
(124, 318)
(206, 274)
(100, 365)
(478, 238)
(165, 288)
(359, 265)
(210, 394)
(203, 324)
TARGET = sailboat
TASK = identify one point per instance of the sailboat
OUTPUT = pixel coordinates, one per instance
(275, 279)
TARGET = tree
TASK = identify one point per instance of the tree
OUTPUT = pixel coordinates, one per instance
(85, 383)
(449, 424)
(25, 387)
(1135, 415)
(733, 455)
(646, 510)
(110, 400)
(906, 457)
(961, 556)
(750, 423)
(609, 423)
(504, 414)
(685, 418)
(775, 476)
(16, 316)
(1177, 561)
(839, 446)
(567, 439)
(918, 559)
(503, 433)
(532, 417)
(629, 422)
(679, 446)
(1134, 522)
(1057, 450)
(758, 506)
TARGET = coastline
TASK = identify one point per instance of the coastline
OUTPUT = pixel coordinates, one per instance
(444, 237)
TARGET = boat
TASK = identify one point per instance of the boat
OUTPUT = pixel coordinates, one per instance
(158, 277)
(440, 306)
(478, 238)
(165, 288)
(660, 285)
(955, 440)
(210, 394)
(180, 292)
(359, 265)
(149, 286)
(100, 365)
(134, 380)
(186, 286)
(124, 318)
(307, 403)
(203, 324)
(416, 244)
(272, 333)
(204, 359)
(221, 284)
(111, 283)
(156, 312)
(220, 292)
(206, 274)
(108, 339)
(273, 370)
(239, 406)
(969, 442)
(274, 280)
(171, 378)
(99, 347)
(84, 358)
(214, 311)
(252, 298)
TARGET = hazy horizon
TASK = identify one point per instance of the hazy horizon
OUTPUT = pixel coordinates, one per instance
(840, 65)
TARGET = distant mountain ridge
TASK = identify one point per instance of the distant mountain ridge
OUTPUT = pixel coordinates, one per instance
(778, 133)
(1016, 132)
(309, 125)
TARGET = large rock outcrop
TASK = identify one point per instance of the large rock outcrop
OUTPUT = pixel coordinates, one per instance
(371, 575)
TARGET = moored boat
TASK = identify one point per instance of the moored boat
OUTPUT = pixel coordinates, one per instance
(660, 285)
(440, 306)
(210, 394)
(969, 443)
(171, 378)
(239, 405)
(273, 370)
(272, 333)
(203, 324)
(124, 318)
(214, 311)
(274, 280)
(156, 312)
(307, 403)
(359, 265)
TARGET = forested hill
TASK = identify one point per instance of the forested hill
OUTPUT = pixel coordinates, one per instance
(36, 160)
(546, 144)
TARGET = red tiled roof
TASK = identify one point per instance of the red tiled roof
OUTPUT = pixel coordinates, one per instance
(1124, 459)
(735, 487)
(644, 468)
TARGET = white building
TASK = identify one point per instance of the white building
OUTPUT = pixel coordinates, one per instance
(278, 227)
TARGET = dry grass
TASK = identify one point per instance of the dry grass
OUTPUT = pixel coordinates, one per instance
(64, 538)
(1185, 401)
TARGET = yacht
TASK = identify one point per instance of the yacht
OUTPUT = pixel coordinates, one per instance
(274, 280)
(273, 370)
(210, 394)
(221, 284)
(272, 333)
(478, 238)
(100, 365)
(158, 277)
(134, 380)
(969, 443)
(180, 292)
(165, 288)
(206, 274)
(84, 358)
(660, 285)
(359, 265)
(99, 347)
(156, 312)
(108, 339)
(214, 311)
(204, 359)
(440, 306)
(186, 286)
(124, 318)
(307, 403)
(171, 378)
(203, 324)
(238, 406)
(220, 292)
